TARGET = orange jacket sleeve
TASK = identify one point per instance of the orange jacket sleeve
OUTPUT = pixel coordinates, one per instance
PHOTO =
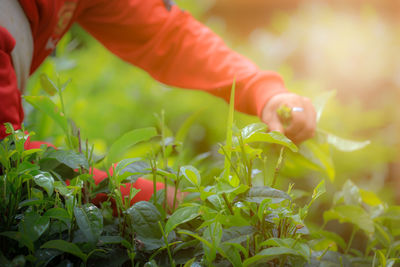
(177, 50)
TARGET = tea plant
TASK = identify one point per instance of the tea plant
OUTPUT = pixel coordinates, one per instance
(239, 214)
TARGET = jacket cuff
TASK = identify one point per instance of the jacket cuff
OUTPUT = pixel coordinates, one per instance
(267, 86)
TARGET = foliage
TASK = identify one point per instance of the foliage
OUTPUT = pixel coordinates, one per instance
(239, 215)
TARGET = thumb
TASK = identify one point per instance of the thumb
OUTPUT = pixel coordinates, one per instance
(274, 124)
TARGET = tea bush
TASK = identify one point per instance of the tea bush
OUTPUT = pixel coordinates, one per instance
(239, 209)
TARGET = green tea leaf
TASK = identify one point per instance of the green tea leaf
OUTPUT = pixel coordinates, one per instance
(44, 180)
(331, 236)
(229, 125)
(25, 167)
(90, 221)
(121, 145)
(344, 144)
(370, 198)
(48, 84)
(237, 234)
(31, 202)
(33, 225)
(59, 214)
(123, 164)
(184, 129)
(319, 154)
(180, 216)
(133, 171)
(269, 254)
(196, 236)
(67, 247)
(320, 101)
(45, 105)
(317, 192)
(382, 258)
(392, 213)
(190, 262)
(151, 263)
(382, 235)
(44, 256)
(350, 194)
(145, 217)
(301, 248)
(20, 237)
(232, 254)
(70, 158)
(258, 193)
(351, 214)
(253, 128)
(191, 174)
(115, 240)
(272, 138)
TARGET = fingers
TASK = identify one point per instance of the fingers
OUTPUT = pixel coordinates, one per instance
(274, 123)
(303, 121)
(303, 116)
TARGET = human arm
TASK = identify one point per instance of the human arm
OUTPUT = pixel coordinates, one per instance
(177, 50)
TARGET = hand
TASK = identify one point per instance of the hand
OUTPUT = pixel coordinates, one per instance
(303, 116)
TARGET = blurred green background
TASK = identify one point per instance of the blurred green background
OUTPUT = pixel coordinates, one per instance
(347, 46)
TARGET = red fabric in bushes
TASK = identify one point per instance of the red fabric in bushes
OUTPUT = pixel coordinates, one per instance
(145, 186)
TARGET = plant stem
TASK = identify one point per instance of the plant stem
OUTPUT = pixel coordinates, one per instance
(153, 170)
(230, 162)
(373, 260)
(227, 203)
(175, 194)
(246, 162)
(265, 171)
(323, 253)
(164, 157)
(165, 194)
(171, 260)
(353, 233)
(278, 166)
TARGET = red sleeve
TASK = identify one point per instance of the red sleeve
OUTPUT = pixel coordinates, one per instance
(177, 50)
(10, 97)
